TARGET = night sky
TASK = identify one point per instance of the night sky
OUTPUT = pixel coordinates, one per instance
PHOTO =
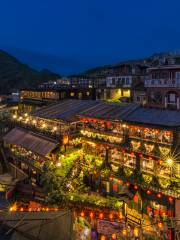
(78, 34)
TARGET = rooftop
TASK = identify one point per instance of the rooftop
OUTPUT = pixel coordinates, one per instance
(70, 110)
(66, 110)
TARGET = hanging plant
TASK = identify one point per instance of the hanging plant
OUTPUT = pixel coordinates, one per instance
(149, 147)
(164, 183)
(147, 178)
(128, 172)
(136, 145)
(114, 168)
(164, 150)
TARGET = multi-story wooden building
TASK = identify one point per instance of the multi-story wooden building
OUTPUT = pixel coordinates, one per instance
(163, 86)
(139, 148)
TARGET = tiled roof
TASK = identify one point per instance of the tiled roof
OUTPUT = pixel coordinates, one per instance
(109, 111)
(30, 141)
(168, 118)
(65, 110)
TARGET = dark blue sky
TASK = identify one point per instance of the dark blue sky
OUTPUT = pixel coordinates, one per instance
(85, 33)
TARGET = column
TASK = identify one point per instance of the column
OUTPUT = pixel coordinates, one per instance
(165, 101)
(177, 103)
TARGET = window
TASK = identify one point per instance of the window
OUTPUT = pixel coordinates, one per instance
(172, 97)
(127, 81)
(123, 80)
(72, 94)
(138, 99)
(113, 81)
(177, 75)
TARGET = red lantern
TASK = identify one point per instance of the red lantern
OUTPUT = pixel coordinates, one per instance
(140, 155)
(110, 216)
(170, 200)
(135, 187)
(127, 184)
(148, 192)
(91, 214)
(136, 198)
(111, 178)
(159, 195)
(101, 215)
(82, 214)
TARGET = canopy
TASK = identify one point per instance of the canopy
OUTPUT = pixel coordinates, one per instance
(30, 141)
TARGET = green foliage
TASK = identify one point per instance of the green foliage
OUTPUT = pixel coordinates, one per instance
(128, 172)
(164, 183)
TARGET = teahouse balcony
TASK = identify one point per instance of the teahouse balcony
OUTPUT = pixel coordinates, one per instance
(165, 83)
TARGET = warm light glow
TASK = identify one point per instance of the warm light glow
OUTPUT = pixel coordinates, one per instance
(54, 129)
(91, 215)
(113, 236)
(44, 125)
(169, 161)
(58, 164)
(101, 215)
(25, 114)
(65, 139)
(82, 214)
(124, 232)
(160, 225)
(14, 116)
(111, 216)
(34, 121)
(136, 232)
(103, 237)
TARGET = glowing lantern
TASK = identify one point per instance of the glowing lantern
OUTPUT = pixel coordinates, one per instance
(159, 195)
(148, 192)
(91, 214)
(127, 184)
(113, 236)
(82, 214)
(101, 216)
(135, 187)
(136, 198)
(103, 237)
(136, 232)
(65, 139)
(170, 200)
(120, 215)
(21, 209)
(111, 216)
(160, 225)
(54, 129)
(29, 209)
(124, 232)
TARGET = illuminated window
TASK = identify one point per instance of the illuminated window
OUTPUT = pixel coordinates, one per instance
(87, 93)
(72, 94)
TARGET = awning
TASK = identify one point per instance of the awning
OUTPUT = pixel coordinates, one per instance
(30, 141)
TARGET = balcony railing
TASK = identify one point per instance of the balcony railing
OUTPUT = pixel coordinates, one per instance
(162, 83)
